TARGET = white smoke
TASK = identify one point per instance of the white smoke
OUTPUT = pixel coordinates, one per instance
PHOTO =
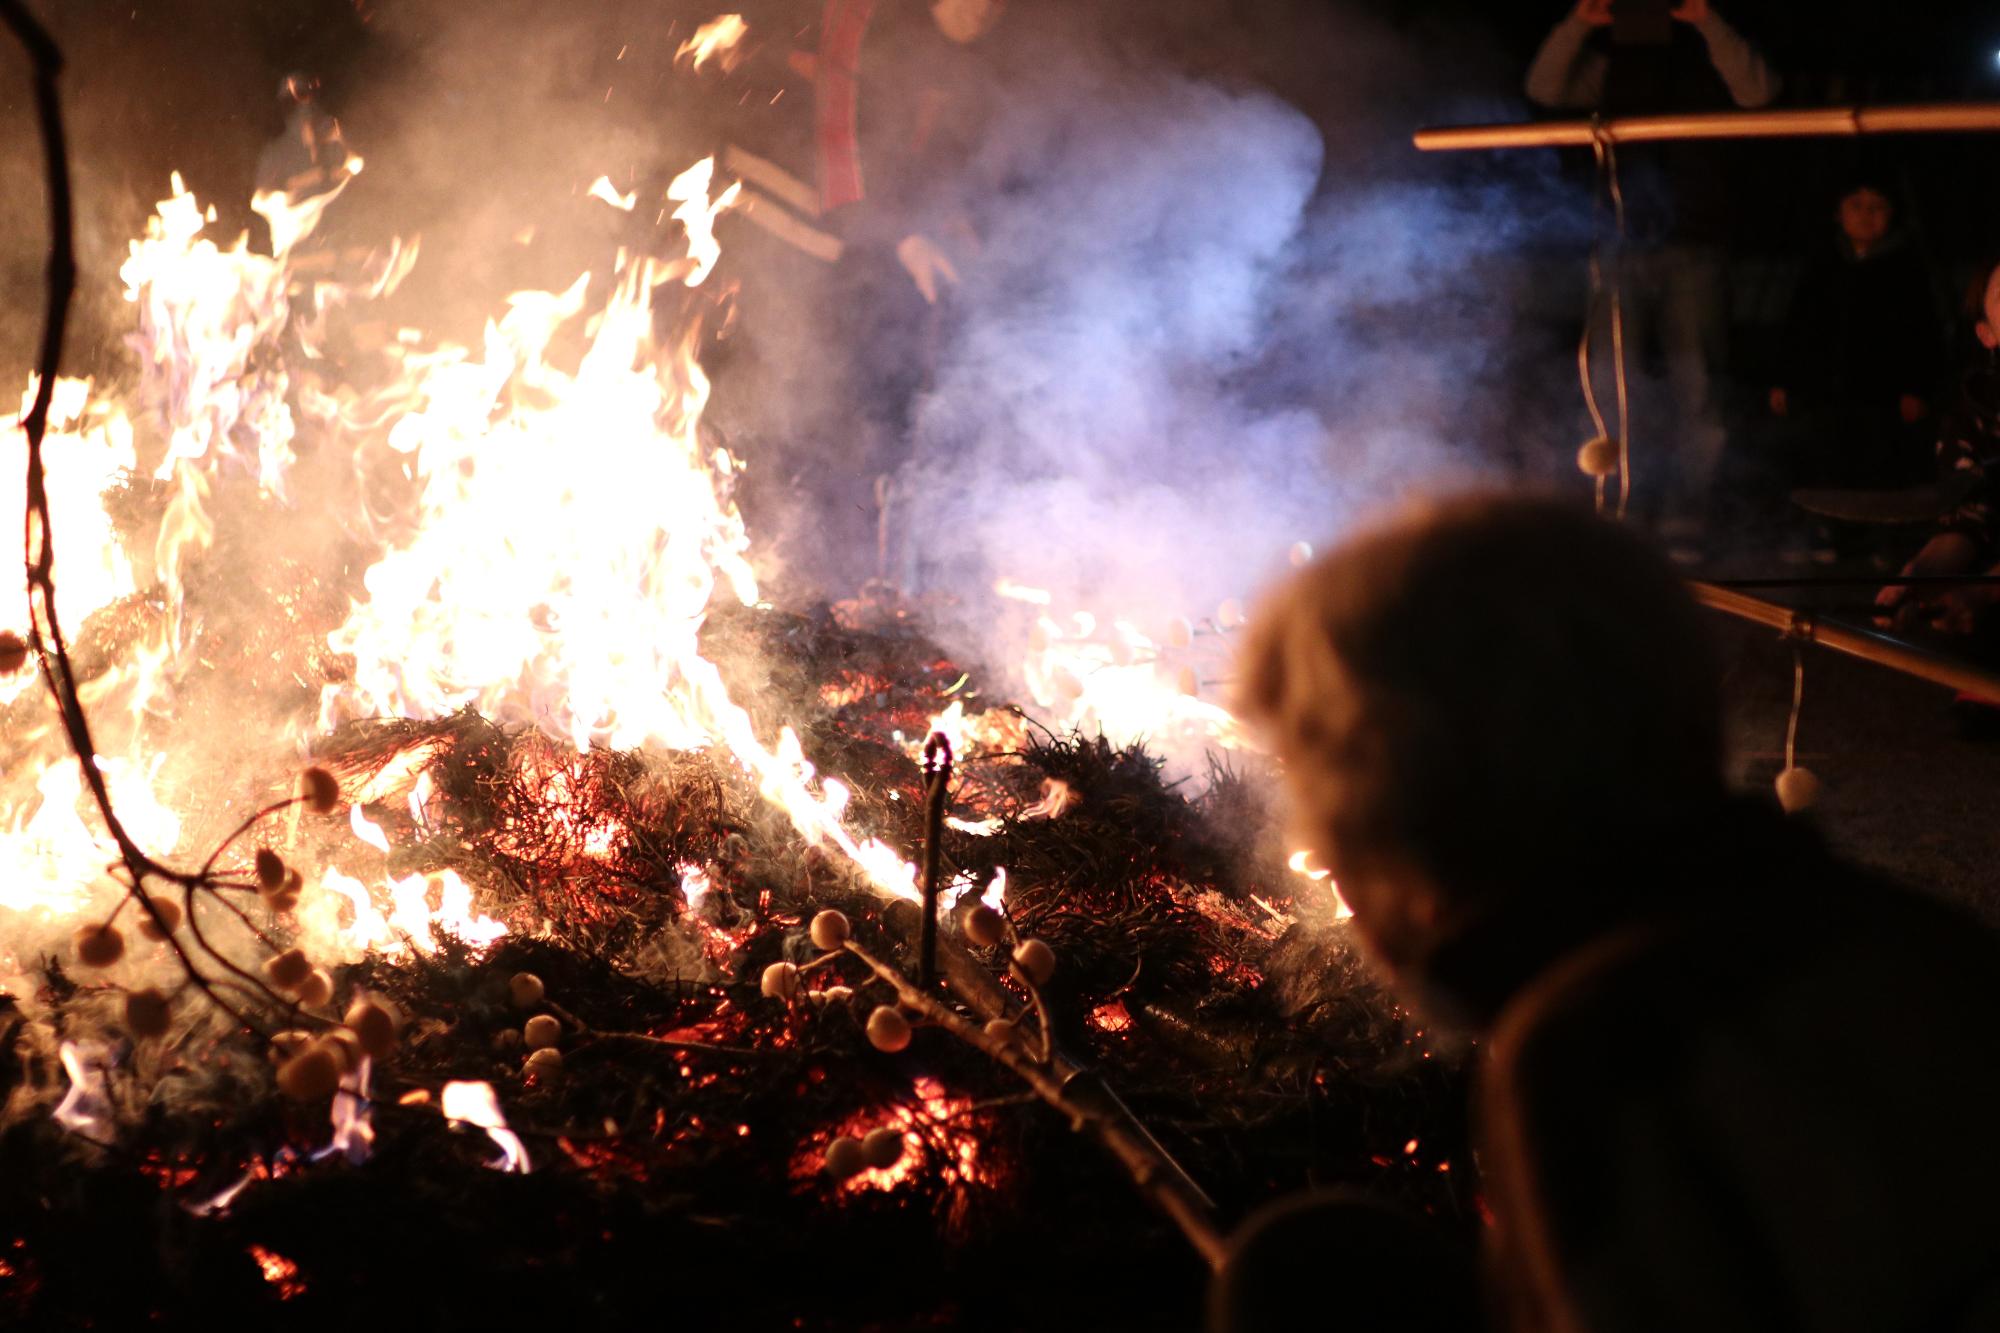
(1087, 431)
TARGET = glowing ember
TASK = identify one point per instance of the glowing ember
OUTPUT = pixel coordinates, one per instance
(940, 1133)
(279, 1271)
(982, 828)
(1112, 1017)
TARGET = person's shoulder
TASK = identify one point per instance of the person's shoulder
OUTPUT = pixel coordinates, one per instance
(1642, 1006)
(1598, 1003)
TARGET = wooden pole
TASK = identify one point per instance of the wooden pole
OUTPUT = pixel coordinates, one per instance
(1880, 649)
(1790, 123)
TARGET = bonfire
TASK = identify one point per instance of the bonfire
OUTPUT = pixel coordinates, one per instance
(482, 904)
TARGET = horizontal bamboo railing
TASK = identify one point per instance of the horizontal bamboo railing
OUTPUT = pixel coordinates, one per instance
(1880, 649)
(1785, 123)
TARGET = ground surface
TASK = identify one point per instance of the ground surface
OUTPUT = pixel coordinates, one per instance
(1904, 791)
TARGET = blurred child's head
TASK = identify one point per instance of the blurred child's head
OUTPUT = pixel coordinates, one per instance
(1484, 701)
(1866, 215)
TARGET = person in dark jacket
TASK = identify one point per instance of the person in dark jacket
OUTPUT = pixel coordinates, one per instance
(1727, 1081)
(1860, 352)
(848, 126)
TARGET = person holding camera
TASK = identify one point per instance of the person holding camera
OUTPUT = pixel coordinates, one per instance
(1650, 57)
(1648, 68)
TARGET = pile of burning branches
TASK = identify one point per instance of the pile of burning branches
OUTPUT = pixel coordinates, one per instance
(488, 1017)
(713, 1042)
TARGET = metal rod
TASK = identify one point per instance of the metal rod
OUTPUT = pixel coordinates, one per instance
(937, 771)
(1791, 123)
(1867, 645)
(1863, 581)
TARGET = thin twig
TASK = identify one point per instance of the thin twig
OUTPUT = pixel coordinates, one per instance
(1152, 1177)
(593, 1037)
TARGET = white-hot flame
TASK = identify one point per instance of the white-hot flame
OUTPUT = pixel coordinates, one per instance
(1301, 863)
(603, 190)
(353, 1130)
(572, 529)
(86, 1108)
(475, 1104)
(366, 829)
(719, 40)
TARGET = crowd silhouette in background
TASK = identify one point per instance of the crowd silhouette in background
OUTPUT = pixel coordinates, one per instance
(1859, 427)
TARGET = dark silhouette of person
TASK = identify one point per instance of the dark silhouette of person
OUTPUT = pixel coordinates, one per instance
(1861, 350)
(1726, 1081)
(1967, 539)
(1679, 220)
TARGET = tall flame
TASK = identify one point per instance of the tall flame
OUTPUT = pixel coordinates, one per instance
(719, 39)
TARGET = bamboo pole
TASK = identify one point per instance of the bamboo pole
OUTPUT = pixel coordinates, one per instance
(1787, 123)
(1880, 649)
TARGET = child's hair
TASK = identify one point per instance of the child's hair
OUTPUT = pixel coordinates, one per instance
(1487, 688)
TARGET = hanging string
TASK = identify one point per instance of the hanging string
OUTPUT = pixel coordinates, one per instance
(1591, 309)
(1607, 297)
(1798, 700)
(1608, 155)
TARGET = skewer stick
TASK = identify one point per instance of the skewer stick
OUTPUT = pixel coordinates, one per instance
(937, 770)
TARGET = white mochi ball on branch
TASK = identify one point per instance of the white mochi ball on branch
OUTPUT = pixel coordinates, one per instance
(845, 1158)
(168, 918)
(780, 981)
(882, 1148)
(829, 931)
(525, 990)
(99, 946)
(1036, 961)
(888, 1030)
(984, 927)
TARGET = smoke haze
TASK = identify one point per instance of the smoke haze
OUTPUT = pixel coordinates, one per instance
(1217, 304)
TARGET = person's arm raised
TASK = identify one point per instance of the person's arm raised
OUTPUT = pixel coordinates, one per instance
(1564, 76)
(1751, 80)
